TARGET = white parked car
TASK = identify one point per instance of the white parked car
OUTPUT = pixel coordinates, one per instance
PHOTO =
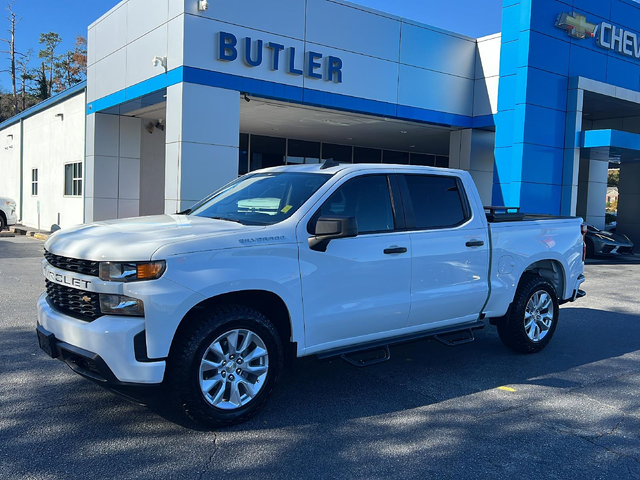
(8, 215)
(214, 302)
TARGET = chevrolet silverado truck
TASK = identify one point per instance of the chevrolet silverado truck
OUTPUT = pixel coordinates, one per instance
(327, 260)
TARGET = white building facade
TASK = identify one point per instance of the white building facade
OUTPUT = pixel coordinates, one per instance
(180, 100)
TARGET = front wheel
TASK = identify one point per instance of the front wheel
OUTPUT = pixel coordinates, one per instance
(223, 368)
(533, 317)
(3, 223)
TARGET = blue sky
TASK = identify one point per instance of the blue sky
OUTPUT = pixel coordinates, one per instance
(69, 18)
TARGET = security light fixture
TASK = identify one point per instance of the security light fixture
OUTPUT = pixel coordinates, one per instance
(203, 5)
(246, 98)
(150, 127)
(10, 136)
(160, 126)
(157, 60)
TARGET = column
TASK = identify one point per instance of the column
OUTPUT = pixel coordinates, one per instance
(473, 151)
(591, 203)
(203, 134)
(112, 167)
(571, 164)
(629, 202)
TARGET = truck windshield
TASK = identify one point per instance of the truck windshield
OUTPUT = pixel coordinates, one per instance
(261, 198)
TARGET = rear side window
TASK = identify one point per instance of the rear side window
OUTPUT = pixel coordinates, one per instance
(437, 201)
(367, 199)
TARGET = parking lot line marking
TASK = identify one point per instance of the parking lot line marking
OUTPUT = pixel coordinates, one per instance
(507, 389)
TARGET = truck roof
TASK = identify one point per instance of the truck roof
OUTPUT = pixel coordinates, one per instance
(317, 168)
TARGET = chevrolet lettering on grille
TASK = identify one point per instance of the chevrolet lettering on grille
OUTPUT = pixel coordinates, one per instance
(66, 280)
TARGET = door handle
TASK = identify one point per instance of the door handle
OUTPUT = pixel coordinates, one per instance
(475, 243)
(394, 250)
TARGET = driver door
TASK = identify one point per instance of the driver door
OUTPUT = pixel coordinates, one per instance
(359, 289)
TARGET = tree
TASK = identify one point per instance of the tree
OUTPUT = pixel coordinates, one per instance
(26, 76)
(50, 42)
(41, 90)
(80, 55)
(613, 178)
(71, 67)
(11, 43)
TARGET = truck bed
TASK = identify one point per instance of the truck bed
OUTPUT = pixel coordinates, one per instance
(513, 214)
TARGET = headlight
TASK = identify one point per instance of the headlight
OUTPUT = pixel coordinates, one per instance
(131, 272)
(121, 305)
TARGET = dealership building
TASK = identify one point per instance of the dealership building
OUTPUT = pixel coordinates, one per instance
(182, 96)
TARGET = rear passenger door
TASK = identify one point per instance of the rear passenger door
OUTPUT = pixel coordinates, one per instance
(450, 251)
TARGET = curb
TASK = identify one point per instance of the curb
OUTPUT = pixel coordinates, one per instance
(40, 236)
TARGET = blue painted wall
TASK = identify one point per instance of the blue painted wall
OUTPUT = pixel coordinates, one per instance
(537, 60)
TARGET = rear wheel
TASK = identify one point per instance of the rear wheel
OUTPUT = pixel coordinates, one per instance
(222, 369)
(533, 317)
(3, 222)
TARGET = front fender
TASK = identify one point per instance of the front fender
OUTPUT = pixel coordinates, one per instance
(270, 268)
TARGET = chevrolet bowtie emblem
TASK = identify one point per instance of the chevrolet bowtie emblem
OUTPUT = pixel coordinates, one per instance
(86, 299)
(576, 25)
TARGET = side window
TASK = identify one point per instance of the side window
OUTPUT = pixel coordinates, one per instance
(437, 201)
(34, 182)
(367, 199)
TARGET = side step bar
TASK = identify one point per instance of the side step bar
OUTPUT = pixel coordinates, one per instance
(349, 354)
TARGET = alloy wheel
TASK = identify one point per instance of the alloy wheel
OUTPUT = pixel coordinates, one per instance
(538, 316)
(233, 369)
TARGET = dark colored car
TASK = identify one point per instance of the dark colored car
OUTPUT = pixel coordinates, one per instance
(601, 242)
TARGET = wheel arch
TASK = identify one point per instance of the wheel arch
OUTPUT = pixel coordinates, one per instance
(552, 270)
(266, 302)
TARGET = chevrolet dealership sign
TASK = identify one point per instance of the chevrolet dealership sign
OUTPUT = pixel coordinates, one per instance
(608, 36)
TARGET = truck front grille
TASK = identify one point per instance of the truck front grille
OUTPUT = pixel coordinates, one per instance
(84, 267)
(80, 303)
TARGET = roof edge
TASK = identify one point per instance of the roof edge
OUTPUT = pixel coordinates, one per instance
(49, 102)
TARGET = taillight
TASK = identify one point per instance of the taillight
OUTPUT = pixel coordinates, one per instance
(583, 229)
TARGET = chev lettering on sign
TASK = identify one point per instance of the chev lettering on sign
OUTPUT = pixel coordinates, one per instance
(607, 35)
(67, 280)
(618, 39)
(253, 53)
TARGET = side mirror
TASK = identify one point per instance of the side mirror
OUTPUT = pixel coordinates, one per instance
(332, 228)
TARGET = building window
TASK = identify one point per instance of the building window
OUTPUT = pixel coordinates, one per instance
(423, 160)
(367, 155)
(301, 151)
(243, 157)
(442, 162)
(267, 152)
(73, 179)
(339, 153)
(389, 156)
(34, 181)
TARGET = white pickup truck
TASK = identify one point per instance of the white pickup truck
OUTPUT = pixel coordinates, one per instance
(8, 214)
(328, 260)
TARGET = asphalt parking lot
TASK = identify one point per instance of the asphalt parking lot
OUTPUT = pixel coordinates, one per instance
(474, 411)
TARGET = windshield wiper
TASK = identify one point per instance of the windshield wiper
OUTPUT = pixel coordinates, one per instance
(227, 219)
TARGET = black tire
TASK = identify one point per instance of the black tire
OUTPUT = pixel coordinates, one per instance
(183, 366)
(3, 222)
(591, 250)
(512, 329)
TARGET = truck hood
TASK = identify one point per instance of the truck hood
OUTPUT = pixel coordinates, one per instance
(136, 239)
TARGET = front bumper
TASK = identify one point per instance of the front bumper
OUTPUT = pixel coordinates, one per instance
(12, 219)
(102, 350)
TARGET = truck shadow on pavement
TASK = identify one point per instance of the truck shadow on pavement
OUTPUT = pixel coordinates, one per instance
(428, 407)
